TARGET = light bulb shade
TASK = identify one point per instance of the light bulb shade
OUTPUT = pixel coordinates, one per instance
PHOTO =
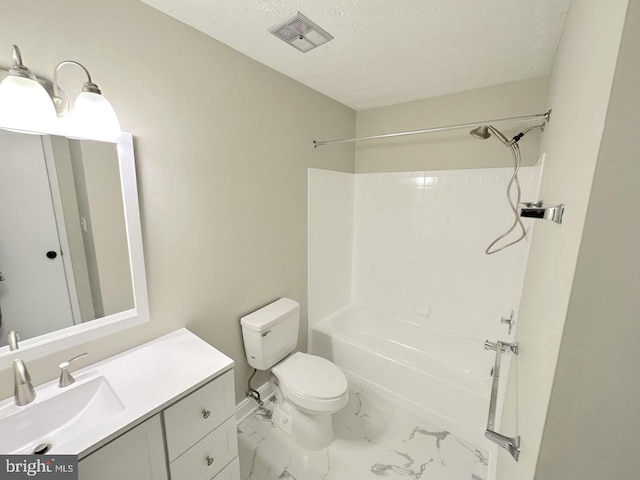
(25, 105)
(94, 117)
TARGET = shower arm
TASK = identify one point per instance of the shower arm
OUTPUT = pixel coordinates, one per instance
(544, 116)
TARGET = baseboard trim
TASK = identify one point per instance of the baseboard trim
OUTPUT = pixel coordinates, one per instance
(247, 406)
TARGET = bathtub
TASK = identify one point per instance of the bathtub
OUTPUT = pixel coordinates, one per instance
(444, 377)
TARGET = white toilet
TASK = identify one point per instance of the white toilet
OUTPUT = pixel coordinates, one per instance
(309, 389)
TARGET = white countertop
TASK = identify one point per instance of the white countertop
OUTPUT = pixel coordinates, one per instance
(146, 378)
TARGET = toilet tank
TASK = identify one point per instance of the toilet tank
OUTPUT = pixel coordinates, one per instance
(271, 333)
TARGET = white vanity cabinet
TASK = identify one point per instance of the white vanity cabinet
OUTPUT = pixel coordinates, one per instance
(193, 439)
(201, 431)
(138, 454)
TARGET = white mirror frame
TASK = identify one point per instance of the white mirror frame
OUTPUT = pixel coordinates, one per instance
(49, 343)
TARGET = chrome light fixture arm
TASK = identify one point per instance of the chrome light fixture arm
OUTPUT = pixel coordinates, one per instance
(18, 69)
(88, 86)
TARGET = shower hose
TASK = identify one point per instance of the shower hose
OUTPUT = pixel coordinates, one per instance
(517, 222)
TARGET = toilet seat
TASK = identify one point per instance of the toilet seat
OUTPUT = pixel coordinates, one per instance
(312, 383)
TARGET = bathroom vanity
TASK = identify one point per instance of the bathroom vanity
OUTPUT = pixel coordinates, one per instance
(165, 409)
(72, 272)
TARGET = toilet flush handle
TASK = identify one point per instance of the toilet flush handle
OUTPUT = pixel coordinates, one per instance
(266, 333)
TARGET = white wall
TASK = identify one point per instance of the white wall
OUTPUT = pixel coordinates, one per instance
(330, 242)
(221, 158)
(449, 150)
(419, 244)
(580, 88)
(592, 426)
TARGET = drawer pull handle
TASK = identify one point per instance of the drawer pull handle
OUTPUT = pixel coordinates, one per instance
(209, 460)
(206, 413)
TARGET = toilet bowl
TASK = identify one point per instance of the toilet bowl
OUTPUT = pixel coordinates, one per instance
(308, 389)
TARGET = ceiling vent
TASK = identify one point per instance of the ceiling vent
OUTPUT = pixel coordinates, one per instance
(300, 32)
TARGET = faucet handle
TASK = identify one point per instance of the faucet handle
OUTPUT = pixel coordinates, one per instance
(66, 378)
(12, 340)
(508, 321)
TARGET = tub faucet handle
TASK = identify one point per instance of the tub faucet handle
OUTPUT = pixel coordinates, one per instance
(508, 321)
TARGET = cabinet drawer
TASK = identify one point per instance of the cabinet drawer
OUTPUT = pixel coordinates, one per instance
(209, 456)
(193, 417)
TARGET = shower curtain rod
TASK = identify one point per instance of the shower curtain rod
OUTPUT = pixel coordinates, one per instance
(545, 116)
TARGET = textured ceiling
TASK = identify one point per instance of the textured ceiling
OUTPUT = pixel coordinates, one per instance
(390, 51)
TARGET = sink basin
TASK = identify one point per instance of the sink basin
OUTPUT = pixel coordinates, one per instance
(57, 415)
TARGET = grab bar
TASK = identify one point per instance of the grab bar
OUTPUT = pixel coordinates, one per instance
(511, 444)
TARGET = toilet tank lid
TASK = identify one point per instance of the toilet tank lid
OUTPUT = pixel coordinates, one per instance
(266, 317)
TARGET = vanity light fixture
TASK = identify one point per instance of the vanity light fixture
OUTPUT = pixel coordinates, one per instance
(31, 104)
(24, 102)
(92, 115)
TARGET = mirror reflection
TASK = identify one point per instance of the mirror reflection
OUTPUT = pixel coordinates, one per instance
(64, 256)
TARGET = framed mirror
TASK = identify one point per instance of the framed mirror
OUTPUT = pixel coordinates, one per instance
(71, 258)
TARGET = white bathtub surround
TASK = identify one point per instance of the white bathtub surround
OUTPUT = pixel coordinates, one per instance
(446, 377)
(412, 245)
(424, 295)
(374, 439)
(330, 242)
(419, 241)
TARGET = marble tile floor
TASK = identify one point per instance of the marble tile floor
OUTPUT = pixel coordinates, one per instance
(373, 440)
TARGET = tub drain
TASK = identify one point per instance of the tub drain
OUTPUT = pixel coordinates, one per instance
(42, 449)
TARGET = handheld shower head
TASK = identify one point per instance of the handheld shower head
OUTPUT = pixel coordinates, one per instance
(484, 131)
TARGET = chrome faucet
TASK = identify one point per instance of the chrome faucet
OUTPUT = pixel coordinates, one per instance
(24, 393)
(12, 340)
